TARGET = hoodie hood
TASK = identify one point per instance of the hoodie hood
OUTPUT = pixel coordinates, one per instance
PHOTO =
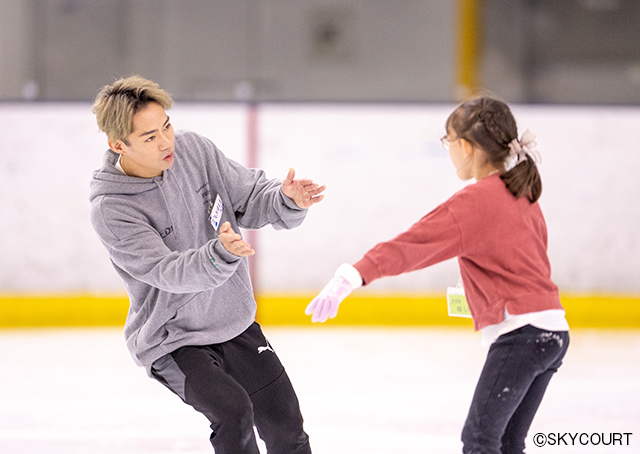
(108, 180)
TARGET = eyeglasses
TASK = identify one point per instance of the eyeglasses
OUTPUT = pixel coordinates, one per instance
(445, 142)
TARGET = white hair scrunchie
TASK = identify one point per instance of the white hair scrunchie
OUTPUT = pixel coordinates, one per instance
(520, 149)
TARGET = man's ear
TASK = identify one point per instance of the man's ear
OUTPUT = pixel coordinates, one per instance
(117, 145)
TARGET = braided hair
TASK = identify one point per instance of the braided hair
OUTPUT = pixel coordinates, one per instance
(490, 125)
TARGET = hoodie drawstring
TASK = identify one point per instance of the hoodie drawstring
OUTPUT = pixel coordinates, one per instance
(183, 199)
(165, 201)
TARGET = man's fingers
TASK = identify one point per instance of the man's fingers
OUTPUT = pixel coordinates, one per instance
(317, 190)
(246, 252)
(228, 234)
(233, 241)
(241, 249)
(317, 199)
(291, 175)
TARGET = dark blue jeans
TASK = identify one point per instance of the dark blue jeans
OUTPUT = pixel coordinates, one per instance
(515, 376)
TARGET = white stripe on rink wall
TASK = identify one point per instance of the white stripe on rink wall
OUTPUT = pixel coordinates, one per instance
(384, 168)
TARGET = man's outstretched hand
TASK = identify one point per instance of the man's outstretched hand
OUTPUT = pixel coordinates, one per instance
(233, 242)
(303, 192)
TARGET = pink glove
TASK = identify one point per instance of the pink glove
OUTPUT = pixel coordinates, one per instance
(326, 304)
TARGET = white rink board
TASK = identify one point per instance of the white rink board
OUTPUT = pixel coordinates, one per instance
(384, 168)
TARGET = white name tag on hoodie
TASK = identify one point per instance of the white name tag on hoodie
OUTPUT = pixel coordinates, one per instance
(216, 213)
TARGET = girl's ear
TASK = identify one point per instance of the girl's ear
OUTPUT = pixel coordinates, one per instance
(467, 147)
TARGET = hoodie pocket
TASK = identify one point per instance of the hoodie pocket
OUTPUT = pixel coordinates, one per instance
(242, 285)
(212, 311)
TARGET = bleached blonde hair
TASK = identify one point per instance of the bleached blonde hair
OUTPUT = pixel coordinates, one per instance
(116, 104)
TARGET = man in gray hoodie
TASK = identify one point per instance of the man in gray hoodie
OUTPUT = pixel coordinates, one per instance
(168, 206)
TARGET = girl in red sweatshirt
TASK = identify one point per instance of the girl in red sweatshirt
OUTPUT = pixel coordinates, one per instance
(497, 231)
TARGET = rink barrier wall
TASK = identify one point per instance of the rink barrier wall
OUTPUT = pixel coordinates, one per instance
(583, 311)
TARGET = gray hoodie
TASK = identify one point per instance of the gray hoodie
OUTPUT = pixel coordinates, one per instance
(184, 287)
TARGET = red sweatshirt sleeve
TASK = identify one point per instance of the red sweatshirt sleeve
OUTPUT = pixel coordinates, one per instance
(434, 238)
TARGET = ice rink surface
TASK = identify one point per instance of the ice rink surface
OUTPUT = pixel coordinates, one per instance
(362, 390)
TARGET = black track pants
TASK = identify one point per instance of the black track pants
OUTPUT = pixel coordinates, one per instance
(236, 385)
